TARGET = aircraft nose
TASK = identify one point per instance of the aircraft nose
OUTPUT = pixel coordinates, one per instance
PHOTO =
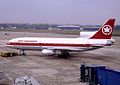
(7, 44)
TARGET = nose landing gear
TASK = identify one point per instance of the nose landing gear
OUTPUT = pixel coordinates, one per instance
(22, 52)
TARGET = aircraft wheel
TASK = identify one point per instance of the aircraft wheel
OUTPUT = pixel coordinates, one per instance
(22, 52)
(65, 54)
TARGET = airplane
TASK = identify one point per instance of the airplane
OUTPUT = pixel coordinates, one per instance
(96, 40)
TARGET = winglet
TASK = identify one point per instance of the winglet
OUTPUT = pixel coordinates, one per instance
(105, 31)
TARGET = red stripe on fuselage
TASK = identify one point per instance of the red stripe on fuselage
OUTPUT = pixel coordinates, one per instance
(49, 44)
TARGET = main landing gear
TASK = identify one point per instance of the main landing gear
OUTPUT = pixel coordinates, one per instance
(64, 54)
(22, 52)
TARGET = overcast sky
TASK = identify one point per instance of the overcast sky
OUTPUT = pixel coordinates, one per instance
(59, 11)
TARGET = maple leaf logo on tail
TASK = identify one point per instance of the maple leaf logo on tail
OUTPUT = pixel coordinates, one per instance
(105, 31)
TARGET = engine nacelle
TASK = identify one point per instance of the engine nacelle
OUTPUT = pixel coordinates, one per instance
(47, 52)
(87, 34)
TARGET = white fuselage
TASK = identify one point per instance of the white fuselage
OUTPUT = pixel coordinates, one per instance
(70, 44)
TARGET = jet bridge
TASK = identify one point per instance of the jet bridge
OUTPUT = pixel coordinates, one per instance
(97, 74)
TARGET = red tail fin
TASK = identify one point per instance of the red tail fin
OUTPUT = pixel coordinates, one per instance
(105, 31)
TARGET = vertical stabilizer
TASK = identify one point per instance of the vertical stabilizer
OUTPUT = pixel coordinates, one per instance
(105, 31)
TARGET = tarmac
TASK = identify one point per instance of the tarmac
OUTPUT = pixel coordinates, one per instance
(54, 70)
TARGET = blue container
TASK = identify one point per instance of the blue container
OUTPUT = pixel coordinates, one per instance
(93, 78)
(108, 77)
